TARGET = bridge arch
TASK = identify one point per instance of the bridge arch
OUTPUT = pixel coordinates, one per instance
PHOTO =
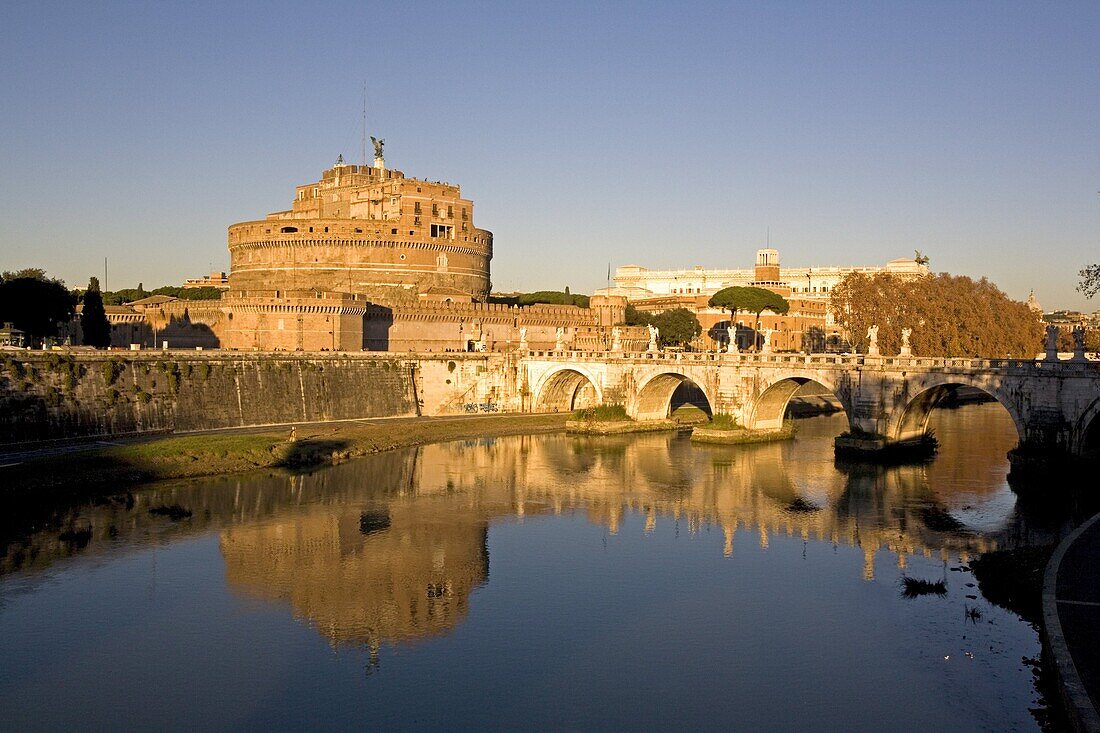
(911, 422)
(770, 406)
(567, 389)
(1086, 434)
(653, 399)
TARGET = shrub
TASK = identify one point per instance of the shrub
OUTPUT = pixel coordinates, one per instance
(602, 413)
(723, 421)
(112, 370)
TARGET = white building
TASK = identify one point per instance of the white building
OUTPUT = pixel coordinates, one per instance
(639, 283)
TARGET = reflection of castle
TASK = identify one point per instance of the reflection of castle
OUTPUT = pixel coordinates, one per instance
(401, 572)
(388, 548)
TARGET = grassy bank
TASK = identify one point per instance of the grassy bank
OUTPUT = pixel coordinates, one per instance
(116, 467)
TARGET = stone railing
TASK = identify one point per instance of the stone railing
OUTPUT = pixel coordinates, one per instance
(846, 360)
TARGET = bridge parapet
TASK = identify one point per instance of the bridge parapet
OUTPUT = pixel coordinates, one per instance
(1064, 366)
(1054, 404)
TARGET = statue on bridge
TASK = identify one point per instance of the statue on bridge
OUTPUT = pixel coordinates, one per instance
(731, 339)
(559, 343)
(616, 338)
(523, 338)
(766, 345)
(872, 340)
(1052, 343)
(653, 334)
(905, 349)
(1079, 343)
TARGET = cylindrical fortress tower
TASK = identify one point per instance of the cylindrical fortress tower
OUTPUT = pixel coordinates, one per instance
(368, 231)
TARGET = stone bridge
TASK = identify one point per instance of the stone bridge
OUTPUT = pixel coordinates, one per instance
(1054, 404)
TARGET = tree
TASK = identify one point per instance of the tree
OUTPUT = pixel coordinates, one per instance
(950, 316)
(550, 297)
(750, 300)
(1090, 280)
(93, 318)
(635, 317)
(35, 303)
(677, 327)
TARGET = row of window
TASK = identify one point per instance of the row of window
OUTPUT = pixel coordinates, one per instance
(435, 211)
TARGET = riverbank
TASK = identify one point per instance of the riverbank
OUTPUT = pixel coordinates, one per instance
(1071, 622)
(174, 457)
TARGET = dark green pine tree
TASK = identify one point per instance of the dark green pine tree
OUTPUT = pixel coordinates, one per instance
(93, 319)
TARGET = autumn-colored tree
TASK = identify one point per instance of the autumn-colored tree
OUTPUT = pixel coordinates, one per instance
(950, 316)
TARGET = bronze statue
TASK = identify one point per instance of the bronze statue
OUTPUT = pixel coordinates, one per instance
(377, 146)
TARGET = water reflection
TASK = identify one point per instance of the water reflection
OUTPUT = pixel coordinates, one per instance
(697, 586)
(389, 548)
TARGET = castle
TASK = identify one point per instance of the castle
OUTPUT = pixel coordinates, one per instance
(368, 259)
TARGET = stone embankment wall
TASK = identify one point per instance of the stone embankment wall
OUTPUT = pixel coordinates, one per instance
(60, 395)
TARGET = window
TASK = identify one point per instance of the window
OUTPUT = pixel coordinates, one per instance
(435, 210)
(301, 195)
(416, 221)
(442, 231)
(450, 212)
(416, 208)
(316, 192)
(463, 213)
(288, 230)
(393, 231)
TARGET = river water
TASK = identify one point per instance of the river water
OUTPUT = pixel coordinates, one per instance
(536, 582)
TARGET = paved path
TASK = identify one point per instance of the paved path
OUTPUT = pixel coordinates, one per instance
(1071, 614)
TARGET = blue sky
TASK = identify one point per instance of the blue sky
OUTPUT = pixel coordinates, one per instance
(665, 135)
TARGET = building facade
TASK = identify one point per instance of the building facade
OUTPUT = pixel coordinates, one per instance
(809, 325)
(640, 283)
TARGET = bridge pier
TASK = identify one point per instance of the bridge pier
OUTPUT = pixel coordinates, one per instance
(1055, 406)
(875, 447)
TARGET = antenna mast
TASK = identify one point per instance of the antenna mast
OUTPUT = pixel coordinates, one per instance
(363, 142)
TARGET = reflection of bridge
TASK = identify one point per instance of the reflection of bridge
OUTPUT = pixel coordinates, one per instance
(1053, 404)
(388, 548)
